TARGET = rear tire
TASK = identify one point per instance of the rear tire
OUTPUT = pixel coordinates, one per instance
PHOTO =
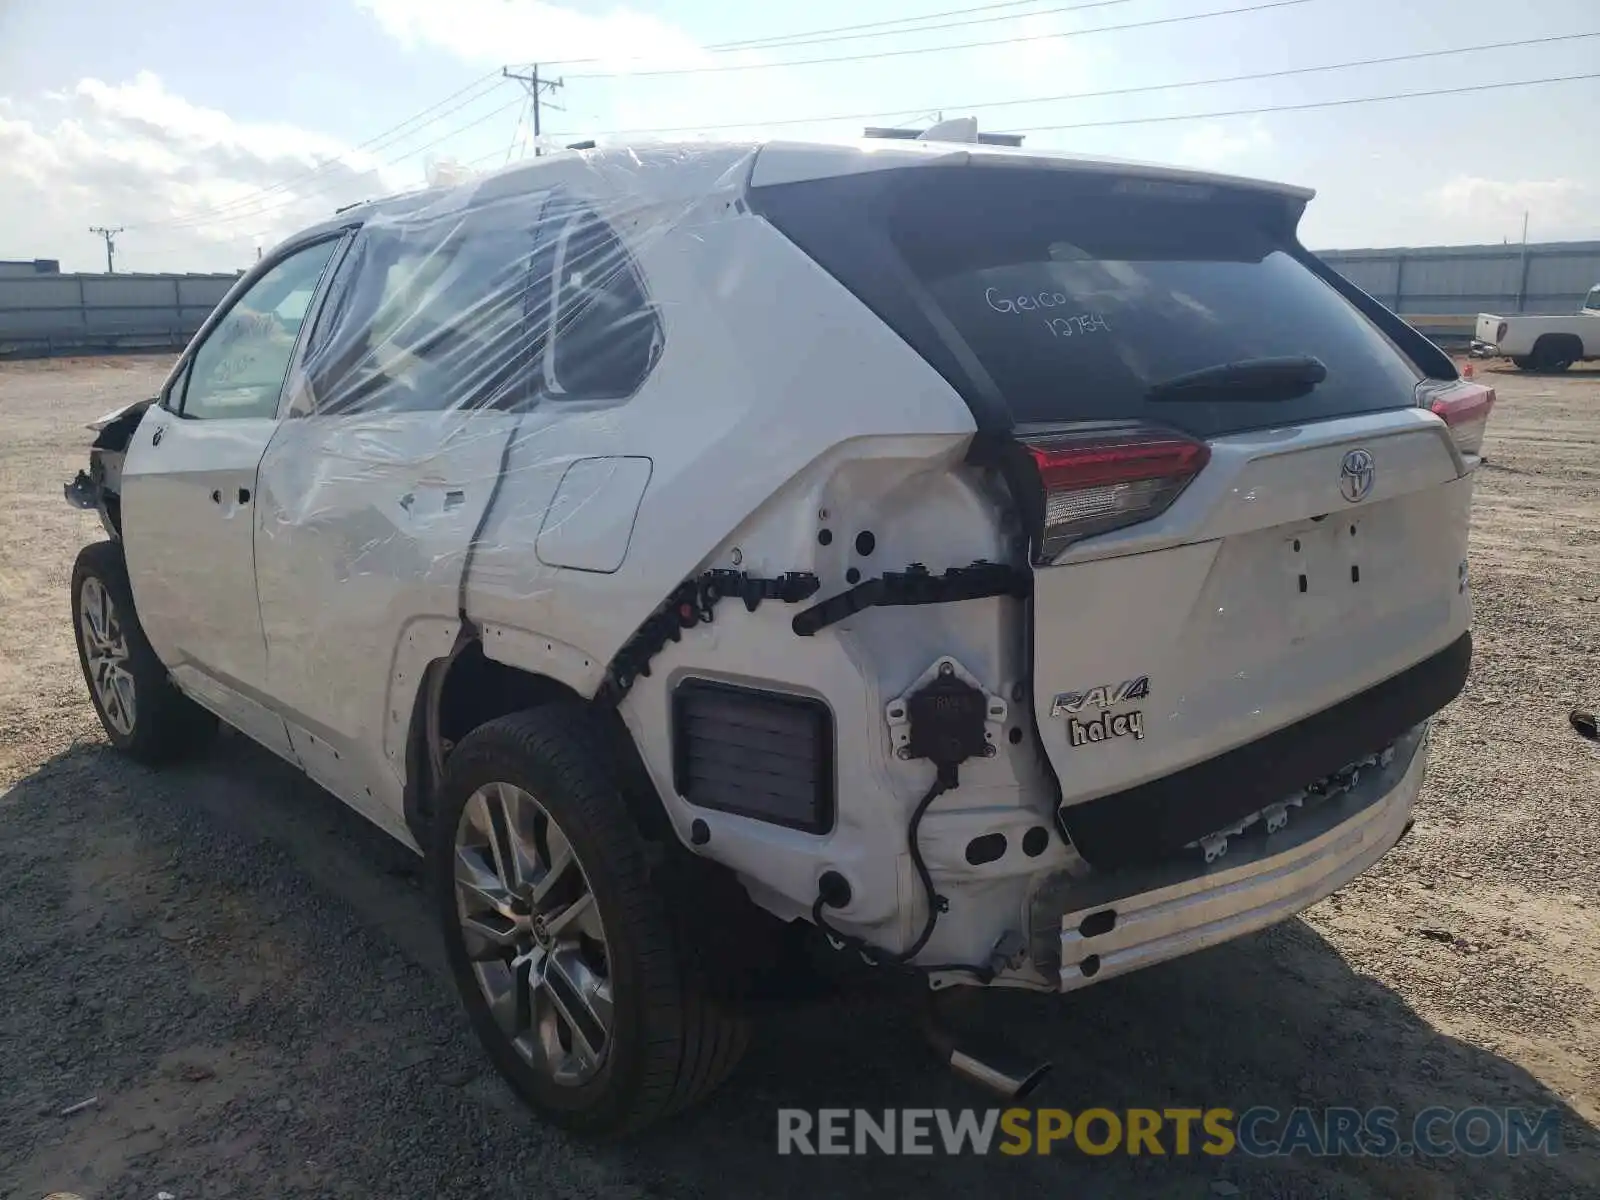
(586, 995)
(1522, 362)
(1556, 354)
(143, 714)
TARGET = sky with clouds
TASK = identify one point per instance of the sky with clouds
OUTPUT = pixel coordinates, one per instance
(208, 127)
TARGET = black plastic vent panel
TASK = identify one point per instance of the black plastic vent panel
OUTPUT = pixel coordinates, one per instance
(760, 754)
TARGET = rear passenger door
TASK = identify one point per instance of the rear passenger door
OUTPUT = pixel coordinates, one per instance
(188, 493)
(374, 489)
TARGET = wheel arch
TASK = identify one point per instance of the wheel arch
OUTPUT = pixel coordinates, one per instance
(473, 686)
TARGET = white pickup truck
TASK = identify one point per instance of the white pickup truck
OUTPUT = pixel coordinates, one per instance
(1543, 343)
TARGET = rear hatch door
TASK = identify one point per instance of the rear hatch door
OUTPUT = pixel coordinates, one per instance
(1317, 551)
(1310, 547)
(1303, 567)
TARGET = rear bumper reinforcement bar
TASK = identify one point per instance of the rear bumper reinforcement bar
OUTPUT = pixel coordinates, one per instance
(1165, 912)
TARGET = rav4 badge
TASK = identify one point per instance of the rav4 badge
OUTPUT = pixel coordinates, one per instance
(1104, 696)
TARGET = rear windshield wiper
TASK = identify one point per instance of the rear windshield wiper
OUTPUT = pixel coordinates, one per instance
(1248, 379)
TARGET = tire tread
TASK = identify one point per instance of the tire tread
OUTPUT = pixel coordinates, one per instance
(167, 724)
(692, 1042)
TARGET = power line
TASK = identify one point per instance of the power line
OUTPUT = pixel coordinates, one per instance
(382, 141)
(1276, 108)
(270, 208)
(804, 37)
(780, 38)
(251, 204)
(377, 141)
(511, 147)
(1238, 112)
(877, 54)
(788, 42)
(469, 163)
(482, 158)
(1263, 109)
(1124, 91)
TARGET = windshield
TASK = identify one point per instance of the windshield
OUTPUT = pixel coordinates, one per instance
(1072, 295)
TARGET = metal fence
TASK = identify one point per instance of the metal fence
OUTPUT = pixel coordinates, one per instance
(1438, 288)
(58, 313)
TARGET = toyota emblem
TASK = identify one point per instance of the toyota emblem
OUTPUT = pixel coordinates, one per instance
(1355, 475)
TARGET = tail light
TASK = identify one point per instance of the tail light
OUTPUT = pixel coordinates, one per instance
(1500, 331)
(1094, 480)
(1465, 408)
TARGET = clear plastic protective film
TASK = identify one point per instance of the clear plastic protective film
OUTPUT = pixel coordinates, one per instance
(454, 429)
(456, 326)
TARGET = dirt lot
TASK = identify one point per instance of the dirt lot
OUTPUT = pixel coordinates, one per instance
(244, 975)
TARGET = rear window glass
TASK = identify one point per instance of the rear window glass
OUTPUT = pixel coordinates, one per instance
(1071, 295)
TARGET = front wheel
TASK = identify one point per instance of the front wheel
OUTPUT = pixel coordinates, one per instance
(580, 986)
(142, 712)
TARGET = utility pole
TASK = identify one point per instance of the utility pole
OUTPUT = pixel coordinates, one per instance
(536, 89)
(110, 236)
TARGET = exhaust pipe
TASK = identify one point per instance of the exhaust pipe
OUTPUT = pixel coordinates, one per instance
(1006, 1075)
(1005, 1072)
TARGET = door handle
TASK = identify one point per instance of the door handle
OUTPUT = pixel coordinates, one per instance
(244, 495)
(216, 496)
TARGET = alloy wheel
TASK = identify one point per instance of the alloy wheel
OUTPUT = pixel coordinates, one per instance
(533, 932)
(105, 654)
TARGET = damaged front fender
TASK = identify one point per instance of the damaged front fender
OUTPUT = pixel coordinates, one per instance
(128, 414)
(100, 487)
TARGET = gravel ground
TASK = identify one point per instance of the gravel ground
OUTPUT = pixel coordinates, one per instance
(244, 976)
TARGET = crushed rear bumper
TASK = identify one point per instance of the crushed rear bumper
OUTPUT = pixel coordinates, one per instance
(1175, 909)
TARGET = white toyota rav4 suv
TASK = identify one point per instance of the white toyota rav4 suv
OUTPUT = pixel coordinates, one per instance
(1005, 568)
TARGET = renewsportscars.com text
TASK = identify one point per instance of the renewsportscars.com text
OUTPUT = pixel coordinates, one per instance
(1258, 1132)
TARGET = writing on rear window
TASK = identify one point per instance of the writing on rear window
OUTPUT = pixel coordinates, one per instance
(1085, 323)
(1128, 282)
(1077, 325)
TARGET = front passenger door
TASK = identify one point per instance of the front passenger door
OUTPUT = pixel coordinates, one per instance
(188, 495)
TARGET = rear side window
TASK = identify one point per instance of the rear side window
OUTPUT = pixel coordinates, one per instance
(515, 303)
(606, 336)
(1064, 296)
